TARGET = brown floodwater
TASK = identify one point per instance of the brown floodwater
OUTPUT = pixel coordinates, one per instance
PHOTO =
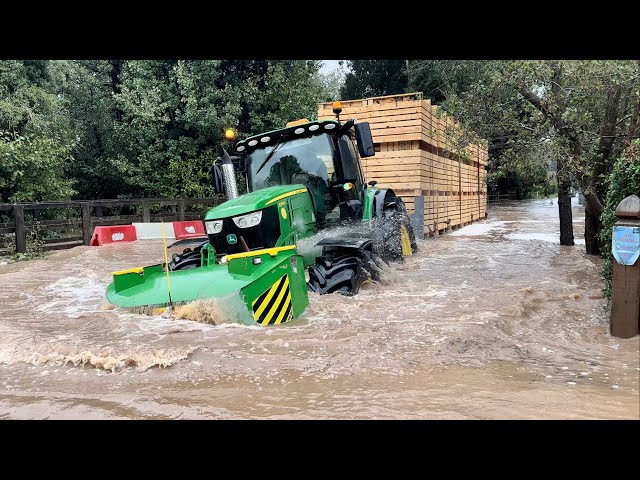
(495, 320)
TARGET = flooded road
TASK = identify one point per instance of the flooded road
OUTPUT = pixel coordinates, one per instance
(495, 320)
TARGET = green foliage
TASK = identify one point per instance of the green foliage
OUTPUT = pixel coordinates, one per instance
(19, 257)
(115, 128)
(330, 85)
(371, 78)
(32, 169)
(35, 137)
(487, 97)
(174, 114)
(437, 79)
(624, 181)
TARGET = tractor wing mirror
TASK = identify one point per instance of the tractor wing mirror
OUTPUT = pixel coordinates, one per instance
(347, 162)
(365, 140)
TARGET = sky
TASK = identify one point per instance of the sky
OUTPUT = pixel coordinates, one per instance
(329, 65)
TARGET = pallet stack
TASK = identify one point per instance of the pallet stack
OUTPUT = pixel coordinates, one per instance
(420, 152)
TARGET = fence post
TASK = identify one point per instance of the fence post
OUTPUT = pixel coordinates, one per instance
(86, 224)
(181, 209)
(625, 282)
(21, 234)
(146, 213)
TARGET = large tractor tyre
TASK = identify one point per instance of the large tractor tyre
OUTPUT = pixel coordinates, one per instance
(406, 220)
(397, 239)
(343, 271)
(187, 259)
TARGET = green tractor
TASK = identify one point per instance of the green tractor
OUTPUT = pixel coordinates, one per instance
(307, 207)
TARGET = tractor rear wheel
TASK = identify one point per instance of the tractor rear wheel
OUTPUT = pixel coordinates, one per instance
(397, 239)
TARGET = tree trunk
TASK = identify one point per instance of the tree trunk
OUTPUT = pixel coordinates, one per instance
(633, 123)
(593, 210)
(592, 227)
(115, 74)
(564, 205)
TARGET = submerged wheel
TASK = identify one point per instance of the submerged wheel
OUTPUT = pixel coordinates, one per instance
(187, 259)
(397, 239)
(344, 271)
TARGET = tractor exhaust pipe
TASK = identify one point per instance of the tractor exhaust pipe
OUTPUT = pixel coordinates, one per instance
(229, 173)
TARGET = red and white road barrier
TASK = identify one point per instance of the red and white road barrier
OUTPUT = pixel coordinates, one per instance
(147, 231)
(153, 231)
(189, 229)
(113, 234)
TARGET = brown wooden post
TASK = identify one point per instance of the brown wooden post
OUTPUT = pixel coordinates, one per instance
(479, 209)
(181, 209)
(460, 187)
(21, 234)
(625, 284)
(86, 224)
(146, 213)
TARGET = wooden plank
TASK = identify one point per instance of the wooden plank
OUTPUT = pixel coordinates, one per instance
(397, 138)
(61, 245)
(398, 97)
(62, 239)
(53, 223)
(371, 111)
(379, 132)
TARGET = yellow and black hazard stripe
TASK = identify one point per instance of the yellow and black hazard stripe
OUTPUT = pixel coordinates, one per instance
(274, 305)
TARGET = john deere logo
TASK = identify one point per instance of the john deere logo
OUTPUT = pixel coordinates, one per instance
(231, 238)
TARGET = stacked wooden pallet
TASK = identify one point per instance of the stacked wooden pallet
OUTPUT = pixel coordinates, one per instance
(421, 151)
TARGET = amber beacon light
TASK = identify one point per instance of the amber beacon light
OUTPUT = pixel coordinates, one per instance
(229, 135)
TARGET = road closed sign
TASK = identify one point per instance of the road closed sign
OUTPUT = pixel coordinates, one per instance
(626, 244)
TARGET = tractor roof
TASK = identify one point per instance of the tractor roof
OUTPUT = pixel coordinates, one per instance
(295, 131)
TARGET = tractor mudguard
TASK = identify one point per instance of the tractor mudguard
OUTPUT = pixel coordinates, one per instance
(356, 243)
(383, 197)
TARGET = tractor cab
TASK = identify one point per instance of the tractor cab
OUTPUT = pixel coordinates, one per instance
(324, 156)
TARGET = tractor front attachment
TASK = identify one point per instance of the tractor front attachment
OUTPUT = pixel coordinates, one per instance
(270, 284)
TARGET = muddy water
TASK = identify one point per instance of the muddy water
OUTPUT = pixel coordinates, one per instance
(495, 320)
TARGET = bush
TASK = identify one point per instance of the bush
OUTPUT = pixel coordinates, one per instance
(623, 181)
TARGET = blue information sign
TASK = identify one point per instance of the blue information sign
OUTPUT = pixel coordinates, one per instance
(626, 244)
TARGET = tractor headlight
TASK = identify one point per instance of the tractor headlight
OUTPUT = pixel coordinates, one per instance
(213, 226)
(248, 220)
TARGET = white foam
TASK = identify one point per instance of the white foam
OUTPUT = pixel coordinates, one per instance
(479, 229)
(545, 237)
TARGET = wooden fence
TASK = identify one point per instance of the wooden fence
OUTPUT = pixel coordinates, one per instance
(502, 197)
(66, 224)
(422, 155)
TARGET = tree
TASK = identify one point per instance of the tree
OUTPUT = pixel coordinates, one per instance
(437, 79)
(331, 84)
(623, 181)
(371, 78)
(175, 112)
(90, 89)
(586, 109)
(35, 137)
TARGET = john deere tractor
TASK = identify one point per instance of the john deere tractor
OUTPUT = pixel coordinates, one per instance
(304, 183)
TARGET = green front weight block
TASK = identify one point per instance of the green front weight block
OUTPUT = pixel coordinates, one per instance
(270, 284)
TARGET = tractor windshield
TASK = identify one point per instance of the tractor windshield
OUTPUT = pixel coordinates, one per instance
(308, 161)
